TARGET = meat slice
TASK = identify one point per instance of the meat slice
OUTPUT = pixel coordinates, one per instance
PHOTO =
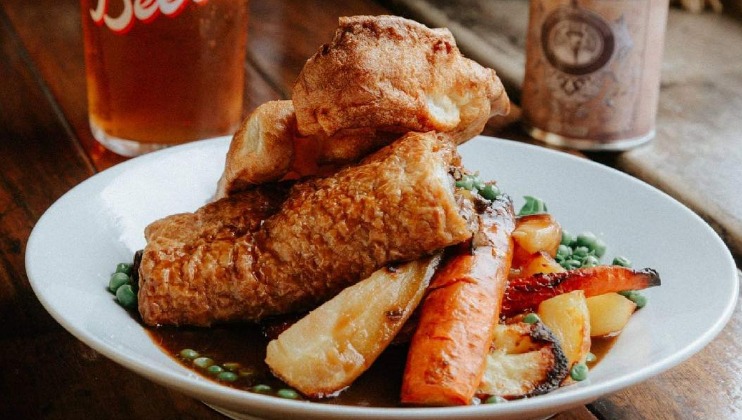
(397, 205)
(187, 269)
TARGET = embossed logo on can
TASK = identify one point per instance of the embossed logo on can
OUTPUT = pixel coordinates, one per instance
(592, 71)
(576, 41)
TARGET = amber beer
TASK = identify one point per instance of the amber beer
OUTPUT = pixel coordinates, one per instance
(163, 72)
(593, 72)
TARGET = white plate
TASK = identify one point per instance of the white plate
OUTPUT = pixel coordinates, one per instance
(99, 223)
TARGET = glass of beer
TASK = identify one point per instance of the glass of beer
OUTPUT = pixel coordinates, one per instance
(163, 72)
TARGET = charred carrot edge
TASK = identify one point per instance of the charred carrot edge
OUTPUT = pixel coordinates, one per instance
(525, 293)
(447, 355)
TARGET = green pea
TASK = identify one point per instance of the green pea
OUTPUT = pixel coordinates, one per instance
(639, 299)
(214, 369)
(533, 205)
(587, 239)
(261, 388)
(567, 238)
(579, 372)
(622, 261)
(227, 376)
(572, 263)
(231, 366)
(124, 268)
(189, 354)
(466, 183)
(478, 184)
(490, 192)
(203, 362)
(495, 399)
(563, 252)
(287, 393)
(591, 357)
(599, 248)
(246, 372)
(590, 261)
(581, 252)
(118, 280)
(126, 296)
(531, 318)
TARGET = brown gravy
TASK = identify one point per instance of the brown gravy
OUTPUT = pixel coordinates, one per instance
(600, 346)
(377, 387)
(246, 344)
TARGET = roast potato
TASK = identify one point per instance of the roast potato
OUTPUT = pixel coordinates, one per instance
(525, 360)
(609, 314)
(324, 352)
(568, 318)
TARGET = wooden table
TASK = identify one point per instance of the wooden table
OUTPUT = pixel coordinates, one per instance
(46, 148)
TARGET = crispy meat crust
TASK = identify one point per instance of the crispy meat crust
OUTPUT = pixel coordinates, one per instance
(397, 205)
(186, 275)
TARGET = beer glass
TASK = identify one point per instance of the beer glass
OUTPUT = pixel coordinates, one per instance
(163, 72)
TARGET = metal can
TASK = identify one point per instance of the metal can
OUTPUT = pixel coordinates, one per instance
(593, 72)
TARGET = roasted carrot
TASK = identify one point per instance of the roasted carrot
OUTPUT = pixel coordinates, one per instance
(447, 355)
(525, 293)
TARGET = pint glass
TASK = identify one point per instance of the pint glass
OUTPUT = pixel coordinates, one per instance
(163, 72)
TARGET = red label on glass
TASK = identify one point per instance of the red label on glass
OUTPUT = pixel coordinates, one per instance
(144, 11)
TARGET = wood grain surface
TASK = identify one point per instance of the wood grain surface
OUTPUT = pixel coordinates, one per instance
(46, 148)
